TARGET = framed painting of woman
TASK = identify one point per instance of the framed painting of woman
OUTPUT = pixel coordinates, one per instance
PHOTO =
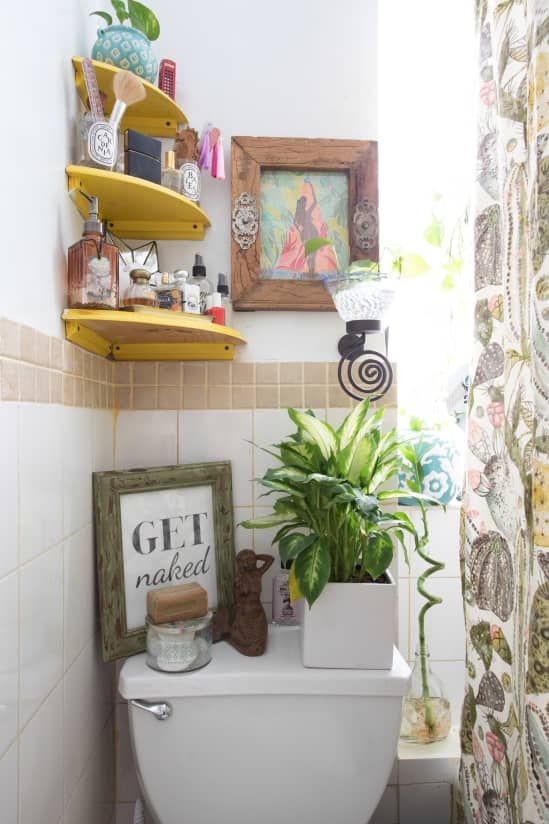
(301, 209)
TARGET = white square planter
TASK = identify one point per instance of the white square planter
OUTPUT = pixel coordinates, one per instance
(350, 626)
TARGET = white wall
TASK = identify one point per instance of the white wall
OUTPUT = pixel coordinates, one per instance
(39, 102)
(284, 69)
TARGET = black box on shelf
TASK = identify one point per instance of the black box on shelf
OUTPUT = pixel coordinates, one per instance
(142, 156)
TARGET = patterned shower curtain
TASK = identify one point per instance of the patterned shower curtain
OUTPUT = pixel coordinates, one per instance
(505, 515)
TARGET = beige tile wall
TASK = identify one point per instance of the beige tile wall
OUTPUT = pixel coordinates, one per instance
(42, 369)
(37, 368)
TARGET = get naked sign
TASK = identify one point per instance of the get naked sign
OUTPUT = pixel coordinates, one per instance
(167, 538)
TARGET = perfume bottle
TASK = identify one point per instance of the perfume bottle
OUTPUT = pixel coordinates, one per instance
(168, 293)
(140, 292)
(93, 267)
(190, 292)
(171, 177)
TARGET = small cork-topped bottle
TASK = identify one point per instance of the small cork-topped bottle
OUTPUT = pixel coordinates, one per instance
(140, 292)
(93, 267)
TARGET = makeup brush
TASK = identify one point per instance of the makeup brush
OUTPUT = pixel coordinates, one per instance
(128, 89)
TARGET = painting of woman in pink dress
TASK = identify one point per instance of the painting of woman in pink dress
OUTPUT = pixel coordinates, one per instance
(307, 223)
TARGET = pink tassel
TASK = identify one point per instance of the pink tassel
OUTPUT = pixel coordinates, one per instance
(218, 160)
(205, 151)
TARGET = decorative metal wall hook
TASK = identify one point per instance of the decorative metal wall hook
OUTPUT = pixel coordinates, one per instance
(363, 373)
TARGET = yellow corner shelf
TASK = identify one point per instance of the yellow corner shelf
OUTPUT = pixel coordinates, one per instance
(136, 208)
(157, 114)
(129, 336)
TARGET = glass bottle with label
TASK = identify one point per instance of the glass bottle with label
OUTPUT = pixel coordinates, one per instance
(168, 293)
(199, 279)
(284, 611)
(93, 267)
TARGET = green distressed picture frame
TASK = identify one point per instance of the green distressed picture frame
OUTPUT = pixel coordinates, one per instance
(109, 489)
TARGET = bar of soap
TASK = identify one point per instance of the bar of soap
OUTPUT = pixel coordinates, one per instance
(177, 603)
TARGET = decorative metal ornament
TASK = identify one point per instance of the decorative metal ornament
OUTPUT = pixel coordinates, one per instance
(365, 224)
(363, 373)
(245, 221)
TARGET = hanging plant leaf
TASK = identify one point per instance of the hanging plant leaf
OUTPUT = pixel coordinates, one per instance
(500, 645)
(412, 265)
(434, 233)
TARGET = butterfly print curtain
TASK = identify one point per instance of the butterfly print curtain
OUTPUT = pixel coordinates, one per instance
(505, 514)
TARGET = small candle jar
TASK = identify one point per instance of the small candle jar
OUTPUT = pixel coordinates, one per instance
(180, 646)
(139, 292)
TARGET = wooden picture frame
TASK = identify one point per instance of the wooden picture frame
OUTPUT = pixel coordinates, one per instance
(253, 155)
(159, 527)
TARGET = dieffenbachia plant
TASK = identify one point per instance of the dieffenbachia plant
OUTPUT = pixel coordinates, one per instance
(332, 526)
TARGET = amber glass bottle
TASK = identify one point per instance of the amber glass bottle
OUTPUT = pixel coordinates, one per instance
(93, 267)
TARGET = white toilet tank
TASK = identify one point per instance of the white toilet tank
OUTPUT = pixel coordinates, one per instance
(264, 740)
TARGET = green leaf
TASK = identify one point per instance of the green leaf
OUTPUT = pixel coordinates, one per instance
(314, 244)
(144, 20)
(378, 554)
(287, 474)
(352, 424)
(312, 570)
(103, 14)
(265, 521)
(285, 530)
(413, 265)
(480, 638)
(316, 431)
(120, 8)
(292, 545)
(278, 486)
(434, 233)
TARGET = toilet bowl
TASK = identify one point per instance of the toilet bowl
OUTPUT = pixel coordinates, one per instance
(263, 740)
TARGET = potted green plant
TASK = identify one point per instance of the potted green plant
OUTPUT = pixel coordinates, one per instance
(339, 538)
(128, 46)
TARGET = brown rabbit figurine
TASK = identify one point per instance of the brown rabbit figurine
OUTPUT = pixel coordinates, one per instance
(248, 631)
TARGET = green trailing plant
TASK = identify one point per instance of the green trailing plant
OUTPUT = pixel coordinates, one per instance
(140, 17)
(332, 486)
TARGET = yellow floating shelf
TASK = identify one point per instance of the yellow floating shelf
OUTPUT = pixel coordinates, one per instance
(135, 208)
(129, 336)
(157, 114)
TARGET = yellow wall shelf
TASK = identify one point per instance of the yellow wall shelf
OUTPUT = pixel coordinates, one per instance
(136, 208)
(129, 336)
(156, 115)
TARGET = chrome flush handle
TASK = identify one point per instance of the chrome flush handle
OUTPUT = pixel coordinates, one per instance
(160, 711)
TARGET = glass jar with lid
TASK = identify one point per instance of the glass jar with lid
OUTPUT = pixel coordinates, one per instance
(140, 292)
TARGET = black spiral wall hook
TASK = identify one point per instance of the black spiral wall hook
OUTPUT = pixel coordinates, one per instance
(363, 373)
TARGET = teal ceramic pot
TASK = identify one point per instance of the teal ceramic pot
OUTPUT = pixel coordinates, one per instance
(128, 49)
(441, 462)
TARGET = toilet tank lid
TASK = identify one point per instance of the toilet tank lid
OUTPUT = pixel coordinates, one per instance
(279, 671)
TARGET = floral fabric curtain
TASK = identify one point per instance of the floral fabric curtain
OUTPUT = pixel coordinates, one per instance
(505, 515)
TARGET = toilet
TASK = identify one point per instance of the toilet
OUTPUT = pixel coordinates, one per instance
(263, 740)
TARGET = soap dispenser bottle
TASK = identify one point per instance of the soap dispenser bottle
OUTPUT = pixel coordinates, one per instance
(93, 266)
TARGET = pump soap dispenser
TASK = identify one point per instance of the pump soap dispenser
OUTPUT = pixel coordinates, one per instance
(93, 266)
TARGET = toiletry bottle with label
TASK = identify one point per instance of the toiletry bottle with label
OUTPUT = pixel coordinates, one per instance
(171, 177)
(180, 281)
(191, 292)
(199, 279)
(168, 293)
(283, 610)
(93, 267)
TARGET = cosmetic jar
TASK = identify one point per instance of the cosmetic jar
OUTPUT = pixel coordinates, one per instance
(180, 646)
